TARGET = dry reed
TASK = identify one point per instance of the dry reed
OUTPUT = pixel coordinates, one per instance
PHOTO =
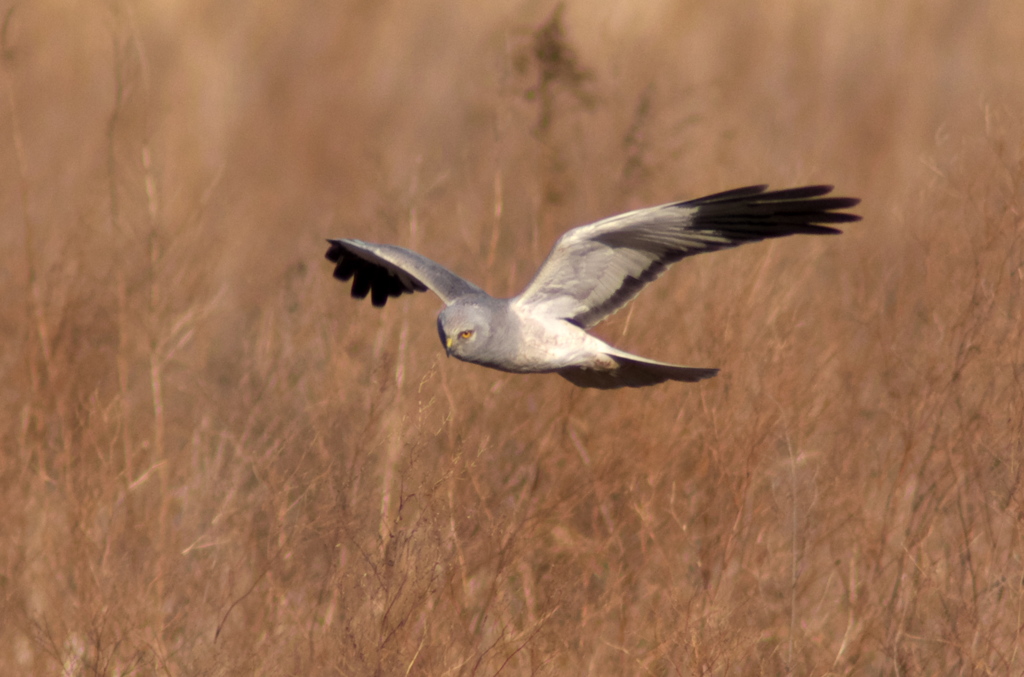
(215, 462)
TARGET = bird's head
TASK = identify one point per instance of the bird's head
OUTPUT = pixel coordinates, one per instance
(464, 331)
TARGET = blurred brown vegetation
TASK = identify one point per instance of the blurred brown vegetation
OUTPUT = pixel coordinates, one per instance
(215, 462)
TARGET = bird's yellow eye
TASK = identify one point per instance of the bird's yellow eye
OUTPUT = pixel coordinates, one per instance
(465, 334)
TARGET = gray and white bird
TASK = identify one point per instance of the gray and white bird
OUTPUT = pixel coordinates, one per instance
(591, 272)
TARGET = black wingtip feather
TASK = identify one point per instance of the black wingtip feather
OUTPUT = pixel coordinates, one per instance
(361, 285)
(334, 252)
(728, 195)
(345, 269)
(370, 279)
(380, 295)
(754, 213)
(801, 193)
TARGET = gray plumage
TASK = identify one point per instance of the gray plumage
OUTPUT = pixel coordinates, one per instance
(591, 272)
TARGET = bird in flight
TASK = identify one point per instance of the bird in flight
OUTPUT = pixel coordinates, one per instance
(591, 272)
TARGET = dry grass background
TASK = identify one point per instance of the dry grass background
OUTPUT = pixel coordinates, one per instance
(215, 463)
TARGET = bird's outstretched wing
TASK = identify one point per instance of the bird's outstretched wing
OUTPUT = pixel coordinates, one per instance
(383, 271)
(594, 270)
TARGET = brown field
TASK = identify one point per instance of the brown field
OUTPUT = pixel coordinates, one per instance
(215, 462)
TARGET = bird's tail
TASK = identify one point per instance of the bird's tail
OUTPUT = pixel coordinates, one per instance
(633, 371)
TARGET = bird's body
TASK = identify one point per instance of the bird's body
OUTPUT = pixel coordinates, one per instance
(537, 345)
(591, 272)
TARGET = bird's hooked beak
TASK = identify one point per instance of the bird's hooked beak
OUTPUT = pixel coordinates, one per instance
(448, 346)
